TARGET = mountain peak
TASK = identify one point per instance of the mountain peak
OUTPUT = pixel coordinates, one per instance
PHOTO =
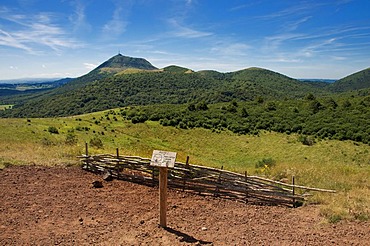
(120, 62)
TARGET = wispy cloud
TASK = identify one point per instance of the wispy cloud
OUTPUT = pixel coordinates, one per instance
(244, 6)
(231, 49)
(186, 32)
(295, 10)
(7, 39)
(78, 18)
(31, 32)
(118, 23)
(293, 25)
(89, 65)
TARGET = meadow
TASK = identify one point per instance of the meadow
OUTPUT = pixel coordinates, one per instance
(343, 166)
(3, 107)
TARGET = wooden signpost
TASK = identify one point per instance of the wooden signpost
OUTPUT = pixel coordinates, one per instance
(163, 160)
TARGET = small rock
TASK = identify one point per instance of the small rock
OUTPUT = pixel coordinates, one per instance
(108, 176)
(204, 228)
(97, 184)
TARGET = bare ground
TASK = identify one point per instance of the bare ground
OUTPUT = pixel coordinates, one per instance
(59, 206)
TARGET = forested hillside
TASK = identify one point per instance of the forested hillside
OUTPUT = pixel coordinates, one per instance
(342, 118)
(356, 81)
(146, 88)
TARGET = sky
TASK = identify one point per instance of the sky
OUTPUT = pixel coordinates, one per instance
(301, 39)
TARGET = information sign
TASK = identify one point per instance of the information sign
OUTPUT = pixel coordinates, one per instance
(163, 158)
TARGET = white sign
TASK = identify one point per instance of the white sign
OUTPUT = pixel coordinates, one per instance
(163, 158)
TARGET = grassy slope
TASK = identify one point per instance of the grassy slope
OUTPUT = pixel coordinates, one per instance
(3, 107)
(343, 166)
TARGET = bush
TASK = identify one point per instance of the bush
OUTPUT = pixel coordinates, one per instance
(309, 141)
(201, 106)
(96, 142)
(47, 142)
(53, 129)
(264, 166)
(266, 162)
(139, 119)
(71, 139)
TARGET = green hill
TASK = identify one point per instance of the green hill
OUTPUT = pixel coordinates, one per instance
(177, 69)
(119, 62)
(356, 81)
(212, 73)
(143, 88)
(272, 84)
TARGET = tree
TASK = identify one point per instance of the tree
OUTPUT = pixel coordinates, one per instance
(202, 105)
(244, 113)
(310, 97)
(315, 106)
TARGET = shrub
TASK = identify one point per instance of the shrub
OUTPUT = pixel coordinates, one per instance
(271, 106)
(309, 141)
(264, 166)
(266, 162)
(71, 139)
(139, 119)
(201, 106)
(47, 142)
(96, 142)
(53, 129)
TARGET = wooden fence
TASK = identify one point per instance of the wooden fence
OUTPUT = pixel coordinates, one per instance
(199, 179)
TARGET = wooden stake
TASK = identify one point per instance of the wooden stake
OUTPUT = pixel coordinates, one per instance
(218, 183)
(246, 186)
(185, 173)
(163, 196)
(86, 149)
(293, 191)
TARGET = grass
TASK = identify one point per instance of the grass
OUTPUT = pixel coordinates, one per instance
(342, 166)
(6, 106)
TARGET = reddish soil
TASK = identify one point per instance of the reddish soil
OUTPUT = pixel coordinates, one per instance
(59, 206)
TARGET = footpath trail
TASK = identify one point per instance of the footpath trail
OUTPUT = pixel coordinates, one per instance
(59, 206)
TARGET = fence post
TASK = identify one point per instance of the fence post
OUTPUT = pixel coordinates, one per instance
(293, 183)
(87, 156)
(246, 186)
(185, 173)
(117, 167)
(153, 176)
(86, 149)
(218, 182)
(163, 196)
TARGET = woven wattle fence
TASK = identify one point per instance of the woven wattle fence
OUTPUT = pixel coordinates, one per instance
(198, 179)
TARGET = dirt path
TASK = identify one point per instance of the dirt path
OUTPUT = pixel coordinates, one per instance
(58, 206)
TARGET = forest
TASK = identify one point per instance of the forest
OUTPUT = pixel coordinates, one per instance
(342, 118)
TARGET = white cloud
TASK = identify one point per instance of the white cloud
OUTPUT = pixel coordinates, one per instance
(78, 19)
(89, 66)
(8, 39)
(234, 49)
(34, 32)
(186, 32)
(118, 24)
(293, 25)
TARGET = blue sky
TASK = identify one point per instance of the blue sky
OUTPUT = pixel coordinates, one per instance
(301, 39)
